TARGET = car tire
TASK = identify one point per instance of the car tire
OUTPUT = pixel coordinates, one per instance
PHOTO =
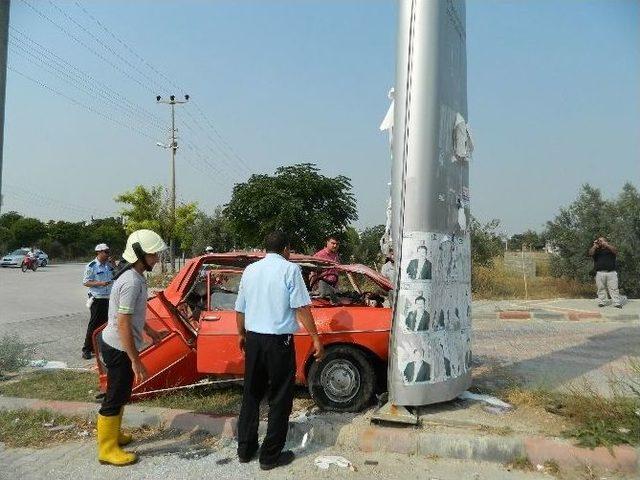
(44, 263)
(343, 381)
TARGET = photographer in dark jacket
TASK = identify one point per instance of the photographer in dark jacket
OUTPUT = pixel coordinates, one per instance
(604, 264)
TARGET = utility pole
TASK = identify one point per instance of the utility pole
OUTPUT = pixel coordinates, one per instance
(173, 146)
(4, 34)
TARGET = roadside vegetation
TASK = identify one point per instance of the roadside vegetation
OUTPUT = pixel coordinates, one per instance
(14, 354)
(42, 428)
(83, 387)
(592, 418)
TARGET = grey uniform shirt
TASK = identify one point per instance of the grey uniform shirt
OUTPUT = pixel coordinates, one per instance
(128, 295)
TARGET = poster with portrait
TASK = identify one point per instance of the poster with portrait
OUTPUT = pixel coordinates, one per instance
(434, 307)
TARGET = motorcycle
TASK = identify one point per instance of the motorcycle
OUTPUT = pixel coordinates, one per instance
(29, 263)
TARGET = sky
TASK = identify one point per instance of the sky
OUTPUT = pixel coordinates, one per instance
(553, 95)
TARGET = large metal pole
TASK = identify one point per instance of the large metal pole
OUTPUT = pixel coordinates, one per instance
(4, 34)
(174, 146)
(430, 342)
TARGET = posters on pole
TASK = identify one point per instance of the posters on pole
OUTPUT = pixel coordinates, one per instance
(434, 307)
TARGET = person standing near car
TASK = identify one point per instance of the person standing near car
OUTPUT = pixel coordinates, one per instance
(98, 276)
(271, 296)
(122, 339)
(604, 263)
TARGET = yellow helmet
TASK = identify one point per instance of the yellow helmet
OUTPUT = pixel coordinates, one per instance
(141, 243)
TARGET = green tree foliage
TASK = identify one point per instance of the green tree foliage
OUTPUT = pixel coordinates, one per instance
(214, 231)
(28, 231)
(530, 240)
(296, 199)
(368, 250)
(590, 216)
(60, 239)
(485, 242)
(150, 208)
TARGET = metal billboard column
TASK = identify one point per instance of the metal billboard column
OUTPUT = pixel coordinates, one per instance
(5, 7)
(430, 351)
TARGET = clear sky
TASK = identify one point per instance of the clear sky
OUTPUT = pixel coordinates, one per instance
(554, 100)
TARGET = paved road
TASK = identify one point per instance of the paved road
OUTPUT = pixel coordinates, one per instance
(181, 458)
(46, 308)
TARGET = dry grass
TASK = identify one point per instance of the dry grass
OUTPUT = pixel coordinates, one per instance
(495, 283)
(27, 428)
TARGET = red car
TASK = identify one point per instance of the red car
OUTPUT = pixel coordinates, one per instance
(197, 312)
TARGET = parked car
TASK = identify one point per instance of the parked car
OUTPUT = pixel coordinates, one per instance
(14, 259)
(43, 258)
(197, 312)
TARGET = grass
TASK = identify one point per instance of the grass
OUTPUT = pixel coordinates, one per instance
(14, 353)
(65, 385)
(495, 283)
(220, 401)
(593, 419)
(27, 428)
(82, 387)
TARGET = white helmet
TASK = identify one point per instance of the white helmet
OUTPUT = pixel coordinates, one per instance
(209, 249)
(141, 243)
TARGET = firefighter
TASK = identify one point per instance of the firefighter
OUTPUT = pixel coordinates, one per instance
(122, 339)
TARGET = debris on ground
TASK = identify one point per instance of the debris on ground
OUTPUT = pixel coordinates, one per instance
(488, 399)
(324, 462)
(48, 364)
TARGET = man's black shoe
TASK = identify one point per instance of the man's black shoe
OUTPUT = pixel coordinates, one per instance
(285, 458)
(247, 459)
(86, 355)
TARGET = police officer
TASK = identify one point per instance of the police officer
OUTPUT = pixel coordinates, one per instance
(122, 339)
(98, 276)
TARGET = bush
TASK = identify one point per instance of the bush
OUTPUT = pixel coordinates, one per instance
(14, 353)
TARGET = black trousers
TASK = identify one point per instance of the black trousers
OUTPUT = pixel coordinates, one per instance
(119, 379)
(269, 368)
(99, 314)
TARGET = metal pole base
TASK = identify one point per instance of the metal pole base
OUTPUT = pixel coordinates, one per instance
(394, 414)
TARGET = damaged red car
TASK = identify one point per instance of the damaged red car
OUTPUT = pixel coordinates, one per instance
(196, 313)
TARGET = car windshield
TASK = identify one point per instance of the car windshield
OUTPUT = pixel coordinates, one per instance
(20, 251)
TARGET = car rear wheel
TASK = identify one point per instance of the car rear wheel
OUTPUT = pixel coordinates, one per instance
(343, 381)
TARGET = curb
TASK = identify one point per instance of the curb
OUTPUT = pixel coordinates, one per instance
(343, 431)
(572, 315)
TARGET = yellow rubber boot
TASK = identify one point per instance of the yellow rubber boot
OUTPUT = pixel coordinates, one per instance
(109, 451)
(123, 438)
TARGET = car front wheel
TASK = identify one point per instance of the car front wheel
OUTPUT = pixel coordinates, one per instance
(343, 381)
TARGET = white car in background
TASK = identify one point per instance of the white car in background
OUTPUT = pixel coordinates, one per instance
(15, 258)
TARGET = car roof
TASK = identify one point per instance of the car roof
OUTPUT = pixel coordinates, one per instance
(180, 284)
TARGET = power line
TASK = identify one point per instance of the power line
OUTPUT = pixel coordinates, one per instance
(73, 81)
(210, 124)
(50, 55)
(83, 44)
(78, 103)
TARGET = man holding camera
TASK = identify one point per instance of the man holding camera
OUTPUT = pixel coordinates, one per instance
(604, 264)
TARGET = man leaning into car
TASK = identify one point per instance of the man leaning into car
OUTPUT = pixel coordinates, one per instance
(271, 296)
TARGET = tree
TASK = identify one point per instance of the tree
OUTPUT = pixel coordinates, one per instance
(296, 199)
(590, 216)
(485, 242)
(27, 231)
(150, 208)
(574, 229)
(214, 231)
(529, 239)
(9, 218)
(368, 250)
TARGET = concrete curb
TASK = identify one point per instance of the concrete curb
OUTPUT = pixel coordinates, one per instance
(345, 431)
(553, 315)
